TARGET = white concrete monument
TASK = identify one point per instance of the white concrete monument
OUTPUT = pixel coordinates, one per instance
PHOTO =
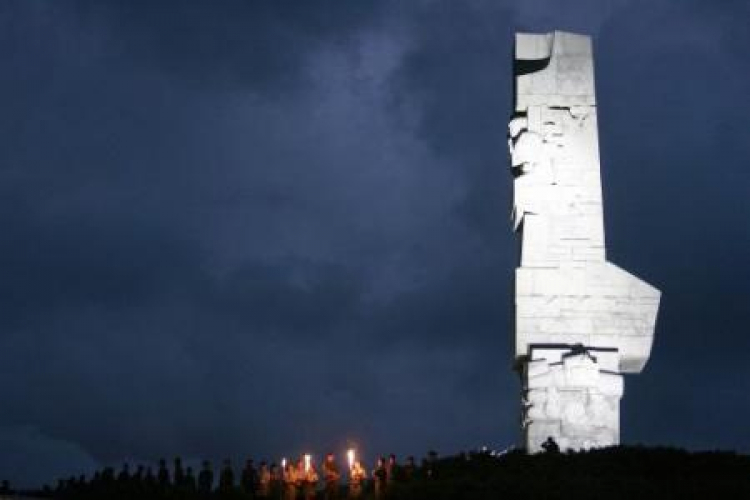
(580, 321)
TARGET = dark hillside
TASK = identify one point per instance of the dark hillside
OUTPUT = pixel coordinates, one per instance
(632, 473)
(614, 473)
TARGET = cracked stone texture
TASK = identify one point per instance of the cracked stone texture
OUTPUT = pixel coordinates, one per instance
(567, 293)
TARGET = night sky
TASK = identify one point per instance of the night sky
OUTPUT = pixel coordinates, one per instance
(236, 229)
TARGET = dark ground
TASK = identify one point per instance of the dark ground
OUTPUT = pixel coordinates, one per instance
(632, 473)
(615, 473)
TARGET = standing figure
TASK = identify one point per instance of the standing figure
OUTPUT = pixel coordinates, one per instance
(277, 481)
(290, 481)
(379, 478)
(138, 475)
(206, 479)
(392, 470)
(331, 476)
(189, 481)
(550, 445)
(249, 479)
(124, 475)
(357, 477)
(226, 479)
(179, 474)
(310, 482)
(264, 481)
(409, 469)
(149, 481)
(163, 474)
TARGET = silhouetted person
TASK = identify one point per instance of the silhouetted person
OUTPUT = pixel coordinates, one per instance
(108, 475)
(163, 474)
(149, 479)
(264, 481)
(137, 486)
(331, 477)
(60, 488)
(391, 470)
(409, 469)
(424, 469)
(431, 465)
(179, 473)
(206, 478)
(357, 476)
(290, 481)
(72, 486)
(189, 480)
(124, 475)
(309, 481)
(226, 478)
(277, 480)
(249, 478)
(138, 475)
(550, 446)
(379, 478)
(5, 488)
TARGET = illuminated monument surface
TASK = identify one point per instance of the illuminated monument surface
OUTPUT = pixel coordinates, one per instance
(580, 321)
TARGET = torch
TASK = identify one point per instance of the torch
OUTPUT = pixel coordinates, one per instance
(350, 456)
(308, 458)
(283, 464)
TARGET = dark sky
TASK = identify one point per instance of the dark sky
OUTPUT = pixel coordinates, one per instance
(260, 228)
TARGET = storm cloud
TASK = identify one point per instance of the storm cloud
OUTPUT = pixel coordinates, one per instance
(257, 228)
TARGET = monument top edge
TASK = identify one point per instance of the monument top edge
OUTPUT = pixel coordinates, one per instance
(550, 33)
(532, 46)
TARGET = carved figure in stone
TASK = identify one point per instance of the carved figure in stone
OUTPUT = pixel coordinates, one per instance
(580, 321)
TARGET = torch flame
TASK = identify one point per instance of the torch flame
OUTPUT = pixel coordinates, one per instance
(283, 463)
(350, 456)
(308, 458)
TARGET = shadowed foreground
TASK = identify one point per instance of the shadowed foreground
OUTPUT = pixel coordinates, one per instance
(612, 473)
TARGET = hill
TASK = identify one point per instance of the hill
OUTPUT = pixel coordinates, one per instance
(612, 473)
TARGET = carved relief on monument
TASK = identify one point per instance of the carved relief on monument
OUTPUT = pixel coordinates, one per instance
(567, 293)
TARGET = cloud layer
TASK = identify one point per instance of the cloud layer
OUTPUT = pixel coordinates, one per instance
(256, 229)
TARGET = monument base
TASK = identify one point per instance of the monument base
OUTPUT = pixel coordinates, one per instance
(572, 394)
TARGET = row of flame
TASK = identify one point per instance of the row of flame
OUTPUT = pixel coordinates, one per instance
(308, 460)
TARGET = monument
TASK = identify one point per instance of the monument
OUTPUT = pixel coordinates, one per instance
(580, 321)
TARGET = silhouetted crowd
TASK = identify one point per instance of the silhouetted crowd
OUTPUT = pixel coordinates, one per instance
(289, 480)
(615, 473)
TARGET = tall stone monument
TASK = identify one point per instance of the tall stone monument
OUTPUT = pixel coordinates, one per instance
(580, 321)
